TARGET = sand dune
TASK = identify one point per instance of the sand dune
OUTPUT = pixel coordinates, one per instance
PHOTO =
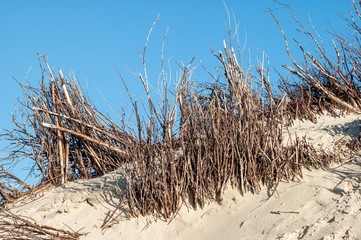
(324, 204)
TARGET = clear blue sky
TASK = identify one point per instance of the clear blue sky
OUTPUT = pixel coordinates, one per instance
(90, 37)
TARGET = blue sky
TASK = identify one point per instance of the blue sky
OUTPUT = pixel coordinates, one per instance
(90, 37)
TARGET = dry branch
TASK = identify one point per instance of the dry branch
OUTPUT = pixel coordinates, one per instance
(324, 82)
(96, 141)
(191, 147)
(15, 227)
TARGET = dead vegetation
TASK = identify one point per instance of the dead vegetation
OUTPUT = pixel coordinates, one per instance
(63, 134)
(198, 141)
(226, 135)
(13, 227)
(324, 83)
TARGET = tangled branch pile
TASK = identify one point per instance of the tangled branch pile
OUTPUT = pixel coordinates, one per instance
(325, 84)
(193, 145)
(64, 135)
(227, 135)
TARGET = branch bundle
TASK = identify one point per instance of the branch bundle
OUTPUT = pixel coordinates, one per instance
(226, 134)
(191, 146)
(64, 135)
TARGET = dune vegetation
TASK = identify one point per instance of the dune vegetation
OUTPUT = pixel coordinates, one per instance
(198, 140)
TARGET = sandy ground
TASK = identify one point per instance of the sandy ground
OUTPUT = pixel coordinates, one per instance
(324, 204)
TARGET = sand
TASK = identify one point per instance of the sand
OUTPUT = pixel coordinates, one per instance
(324, 204)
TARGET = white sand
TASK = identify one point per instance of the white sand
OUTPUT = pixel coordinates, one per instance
(322, 205)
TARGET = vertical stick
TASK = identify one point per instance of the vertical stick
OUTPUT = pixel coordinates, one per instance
(63, 85)
(59, 138)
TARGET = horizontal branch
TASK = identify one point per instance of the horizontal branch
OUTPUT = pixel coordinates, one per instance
(90, 139)
(14, 177)
(83, 123)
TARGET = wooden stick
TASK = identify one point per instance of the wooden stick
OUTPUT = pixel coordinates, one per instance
(83, 123)
(5, 196)
(122, 152)
(318, 85)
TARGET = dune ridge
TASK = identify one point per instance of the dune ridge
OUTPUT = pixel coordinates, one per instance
(324, 204)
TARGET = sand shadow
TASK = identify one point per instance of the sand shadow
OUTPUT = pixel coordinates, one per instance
(351, 129)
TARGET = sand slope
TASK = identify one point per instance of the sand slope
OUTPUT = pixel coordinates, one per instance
(324, 204)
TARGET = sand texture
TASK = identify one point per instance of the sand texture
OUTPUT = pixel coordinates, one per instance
(324, 204)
